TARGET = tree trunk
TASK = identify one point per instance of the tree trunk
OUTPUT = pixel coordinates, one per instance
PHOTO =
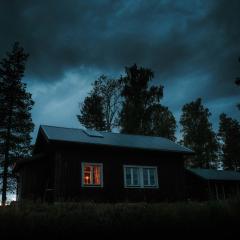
(6, 159)
(5, 168)
(5, 174)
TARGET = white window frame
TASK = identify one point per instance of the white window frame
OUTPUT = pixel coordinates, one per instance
(101, 172)
(141, 180)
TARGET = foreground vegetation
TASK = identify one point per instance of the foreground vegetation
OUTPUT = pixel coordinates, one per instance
(71, 218)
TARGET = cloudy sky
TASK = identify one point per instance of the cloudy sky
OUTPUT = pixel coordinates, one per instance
(191, 45)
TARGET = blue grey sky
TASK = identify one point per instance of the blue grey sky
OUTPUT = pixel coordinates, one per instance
(192, 47)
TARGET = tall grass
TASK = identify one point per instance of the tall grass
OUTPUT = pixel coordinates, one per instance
(75, 218)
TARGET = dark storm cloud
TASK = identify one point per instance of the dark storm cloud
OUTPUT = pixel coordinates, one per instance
(193, 44)
(218, 47)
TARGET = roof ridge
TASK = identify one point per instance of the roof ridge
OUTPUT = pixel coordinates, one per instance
(44, 125)
(137, 135)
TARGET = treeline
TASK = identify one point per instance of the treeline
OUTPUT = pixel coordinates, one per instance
(132, 104)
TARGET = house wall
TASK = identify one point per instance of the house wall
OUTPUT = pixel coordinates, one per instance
(68, 174)
(197, 188)
(223, 189)
(34, 179)
(203, 190)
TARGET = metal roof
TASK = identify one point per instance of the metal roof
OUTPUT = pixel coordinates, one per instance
(113, 139)
(211, 174)
(92, 133)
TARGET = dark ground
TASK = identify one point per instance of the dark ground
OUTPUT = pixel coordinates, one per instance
(192, 219)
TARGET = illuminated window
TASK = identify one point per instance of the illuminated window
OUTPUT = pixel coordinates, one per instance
(92, 174)
(140, 176)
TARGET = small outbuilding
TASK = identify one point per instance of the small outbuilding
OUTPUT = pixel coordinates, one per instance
(210, 184)
(84, 165)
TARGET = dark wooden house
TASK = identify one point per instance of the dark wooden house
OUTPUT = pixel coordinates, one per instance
(209, 184)
(83, 165)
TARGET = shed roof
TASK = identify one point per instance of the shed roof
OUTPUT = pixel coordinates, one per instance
(78, 135)
(211, 174)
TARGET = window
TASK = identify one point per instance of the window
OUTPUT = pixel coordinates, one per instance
(92, 175)
(132, 176)
(149, 176)
(140, 176)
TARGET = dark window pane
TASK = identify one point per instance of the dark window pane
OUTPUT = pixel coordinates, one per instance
(145, 176)
(136, 181)
(152, 176)
(128, 176)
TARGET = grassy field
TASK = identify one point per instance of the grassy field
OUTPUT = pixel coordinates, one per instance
(221, 217)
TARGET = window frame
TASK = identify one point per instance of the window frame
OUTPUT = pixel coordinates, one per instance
(132, 178)
(101, 175)
(141, 179)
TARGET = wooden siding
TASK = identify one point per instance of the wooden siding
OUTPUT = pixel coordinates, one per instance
(203, 190)
(68, 174)
(34, 179)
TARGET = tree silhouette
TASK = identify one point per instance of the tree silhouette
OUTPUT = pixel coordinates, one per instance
(15, 116)
(128, 103)
(91, 113)
(159, 121)
(138, 96)
(229, 133)
(100, 108)
(237, 82)
(198, 135)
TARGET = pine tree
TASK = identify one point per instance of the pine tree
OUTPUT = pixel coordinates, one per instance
(138, 96)
(229, 133)
(15, 116)
(198, 135)
(237, 82)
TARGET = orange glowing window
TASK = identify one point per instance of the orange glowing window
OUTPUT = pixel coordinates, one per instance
(92, 174)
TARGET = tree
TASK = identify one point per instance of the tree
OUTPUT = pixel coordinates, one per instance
(91, 113)
(101, 107)
(198, 135)
(137, 98)
(110, 91)
(237, 82)
(159, 121)
(229, 133)
(15, 113)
